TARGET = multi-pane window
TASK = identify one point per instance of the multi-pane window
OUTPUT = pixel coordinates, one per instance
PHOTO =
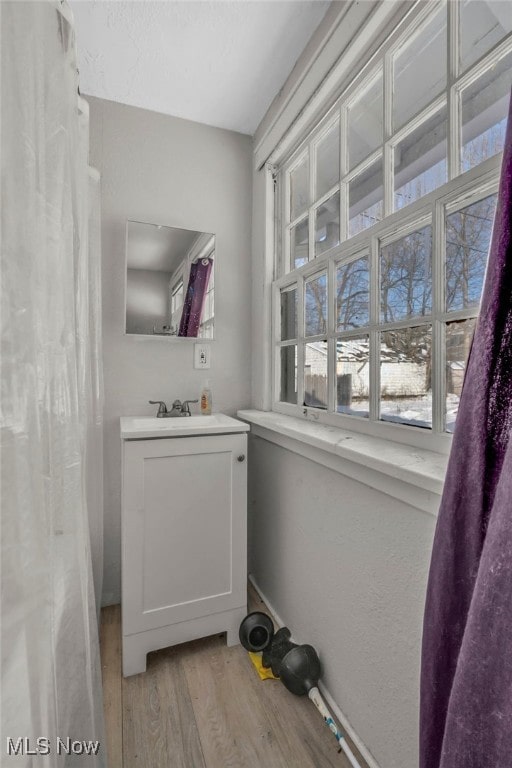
(386, 214)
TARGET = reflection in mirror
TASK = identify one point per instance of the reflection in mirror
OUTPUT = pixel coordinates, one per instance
(169, 281)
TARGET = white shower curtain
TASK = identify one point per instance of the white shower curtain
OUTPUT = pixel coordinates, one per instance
(51, 435)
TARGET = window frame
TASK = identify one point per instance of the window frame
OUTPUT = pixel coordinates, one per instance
(460, 190)
(477, 184)
(174, 290)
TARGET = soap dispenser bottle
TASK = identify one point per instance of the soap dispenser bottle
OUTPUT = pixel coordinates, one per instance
(206, 399)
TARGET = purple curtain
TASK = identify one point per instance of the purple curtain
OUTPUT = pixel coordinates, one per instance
(466, 677)
(194, 300)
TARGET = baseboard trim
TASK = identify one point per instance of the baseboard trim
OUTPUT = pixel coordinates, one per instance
(340, 716)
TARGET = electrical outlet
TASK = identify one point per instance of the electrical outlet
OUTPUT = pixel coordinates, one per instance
(202, 354)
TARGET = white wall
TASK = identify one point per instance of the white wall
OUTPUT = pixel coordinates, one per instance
(345, 567)
(164, 170)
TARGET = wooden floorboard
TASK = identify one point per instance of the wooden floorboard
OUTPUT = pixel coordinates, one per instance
(158, 718)
(110, 641)
(237, 731)
(202, 705)
(255, 603)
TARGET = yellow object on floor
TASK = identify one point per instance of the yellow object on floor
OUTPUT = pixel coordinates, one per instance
(265, 673)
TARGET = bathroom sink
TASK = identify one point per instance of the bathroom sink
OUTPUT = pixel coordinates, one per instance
(136, 428)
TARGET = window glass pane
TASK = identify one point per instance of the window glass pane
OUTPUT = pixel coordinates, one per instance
(299, 244)
(288, 392)
(352, 295)
(420, 70)
(315, 374)
(289, 314)
(208, 306)
(206, 330)
(365, 123)
(405, 376)
(299, 189)
(458, 344)
(484, 114)
(327, 224)
(206, 326)
(406, 277)
(316, 305)
(353, 376)
(482, 25)
(365, 194)
(177, 298)
(468, 234)
(420, 161)
(328, 161)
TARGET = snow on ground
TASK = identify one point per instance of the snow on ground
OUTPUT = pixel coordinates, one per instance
(416, 411)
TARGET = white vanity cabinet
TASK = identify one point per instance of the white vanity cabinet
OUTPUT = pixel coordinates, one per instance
(184, 539)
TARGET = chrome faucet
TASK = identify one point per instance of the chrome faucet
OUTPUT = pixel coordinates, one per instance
(162, 408)
(178, 408)
(185, 410)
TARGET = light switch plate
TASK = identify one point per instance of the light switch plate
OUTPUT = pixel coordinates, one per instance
(202, 355)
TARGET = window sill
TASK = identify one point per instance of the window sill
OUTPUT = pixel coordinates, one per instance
(412, 475)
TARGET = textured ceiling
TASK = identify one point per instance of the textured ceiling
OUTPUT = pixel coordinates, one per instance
(219, 63)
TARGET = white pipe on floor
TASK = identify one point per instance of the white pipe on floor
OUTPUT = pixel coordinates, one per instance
(316, 698)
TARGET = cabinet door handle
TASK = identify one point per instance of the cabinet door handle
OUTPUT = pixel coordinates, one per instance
(241, 457)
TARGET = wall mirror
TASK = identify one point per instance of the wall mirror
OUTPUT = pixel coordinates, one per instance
(169, 281)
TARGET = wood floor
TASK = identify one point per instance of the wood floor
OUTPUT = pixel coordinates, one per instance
(202, 705)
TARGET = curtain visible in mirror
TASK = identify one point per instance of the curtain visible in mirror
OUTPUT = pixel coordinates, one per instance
(194, 300)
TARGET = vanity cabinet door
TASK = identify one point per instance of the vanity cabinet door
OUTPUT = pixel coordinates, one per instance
(184, 529)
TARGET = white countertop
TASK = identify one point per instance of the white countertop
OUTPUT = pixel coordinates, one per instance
(144, 427)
